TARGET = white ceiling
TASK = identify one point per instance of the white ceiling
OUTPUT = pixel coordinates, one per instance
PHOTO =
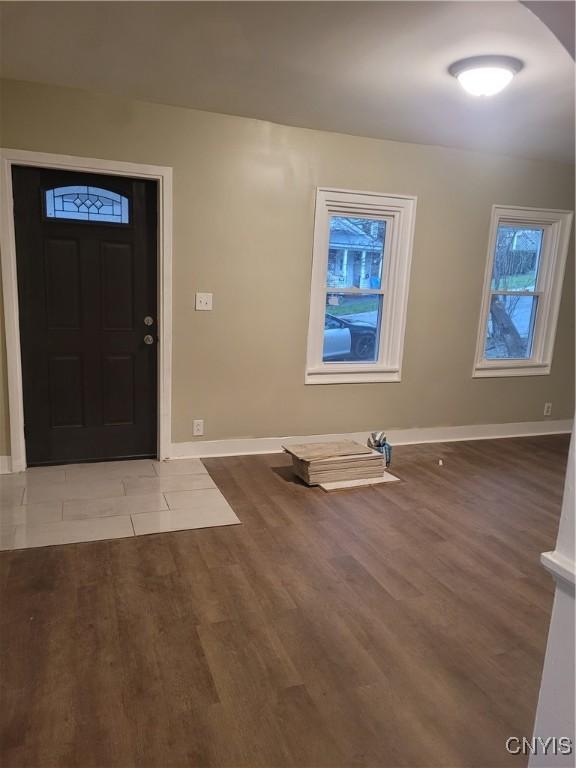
(371, 68)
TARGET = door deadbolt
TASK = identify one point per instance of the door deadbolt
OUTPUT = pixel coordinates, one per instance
(148, 320)
(148, 339)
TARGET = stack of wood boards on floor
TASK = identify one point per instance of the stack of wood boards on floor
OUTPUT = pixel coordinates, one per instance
(337, 462)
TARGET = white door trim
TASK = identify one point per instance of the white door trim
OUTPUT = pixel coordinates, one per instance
(163, 176)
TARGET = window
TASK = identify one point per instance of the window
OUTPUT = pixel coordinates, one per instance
(524, 273)
(85, 203)
(360, 274)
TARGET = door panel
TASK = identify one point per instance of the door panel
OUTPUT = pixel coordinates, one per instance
(118, 384)
(62, 274)
(116, 261)
(86, 280)
(66, 391)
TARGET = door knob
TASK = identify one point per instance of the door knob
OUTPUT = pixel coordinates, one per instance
(148, 320)
(148, 339)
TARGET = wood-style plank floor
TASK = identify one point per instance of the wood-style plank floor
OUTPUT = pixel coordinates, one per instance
(402, 625)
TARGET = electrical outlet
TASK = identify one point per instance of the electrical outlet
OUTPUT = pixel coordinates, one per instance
(547, 409)
(204, 301)
(198, 427)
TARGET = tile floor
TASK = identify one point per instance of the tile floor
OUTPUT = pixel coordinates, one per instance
(109, 500)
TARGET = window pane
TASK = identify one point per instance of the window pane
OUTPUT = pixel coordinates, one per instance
(351, 327)
(510, 327)
(355, 252)
(517, 258)
(83, 203)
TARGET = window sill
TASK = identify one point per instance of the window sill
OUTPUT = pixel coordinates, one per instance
(351, 377)
(497, 371)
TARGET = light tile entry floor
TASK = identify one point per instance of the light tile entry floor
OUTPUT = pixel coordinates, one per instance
(110, 500)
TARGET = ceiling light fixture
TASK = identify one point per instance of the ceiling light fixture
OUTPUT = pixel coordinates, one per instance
(485, 75)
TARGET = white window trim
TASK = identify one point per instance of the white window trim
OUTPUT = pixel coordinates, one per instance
(557, 225)
(399, 211)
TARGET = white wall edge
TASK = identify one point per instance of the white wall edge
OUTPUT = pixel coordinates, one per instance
(560, 566)
(255, 445)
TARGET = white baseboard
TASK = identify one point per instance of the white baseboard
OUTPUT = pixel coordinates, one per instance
(252, 445)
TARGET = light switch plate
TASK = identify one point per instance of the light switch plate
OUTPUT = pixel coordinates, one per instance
(204, 301)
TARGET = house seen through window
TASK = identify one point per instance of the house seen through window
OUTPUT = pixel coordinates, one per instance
(361, 266)
(355, 261)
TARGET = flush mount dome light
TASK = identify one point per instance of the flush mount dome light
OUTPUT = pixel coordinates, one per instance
(485, 75)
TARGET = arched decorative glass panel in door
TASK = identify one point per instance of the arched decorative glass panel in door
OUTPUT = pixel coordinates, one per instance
(84, 203)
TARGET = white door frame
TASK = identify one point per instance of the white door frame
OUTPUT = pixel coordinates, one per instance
(163, 176)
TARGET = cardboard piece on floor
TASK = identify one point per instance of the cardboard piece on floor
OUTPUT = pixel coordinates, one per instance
(319, 451)
(346, 484)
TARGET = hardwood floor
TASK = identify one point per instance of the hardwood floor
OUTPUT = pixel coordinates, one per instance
(403, 625)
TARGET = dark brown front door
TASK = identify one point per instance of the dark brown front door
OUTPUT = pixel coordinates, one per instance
(86, 252)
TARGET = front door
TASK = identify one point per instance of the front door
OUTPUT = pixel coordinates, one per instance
(86, 252)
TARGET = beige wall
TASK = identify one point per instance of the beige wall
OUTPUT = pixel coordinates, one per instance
(243, 220)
